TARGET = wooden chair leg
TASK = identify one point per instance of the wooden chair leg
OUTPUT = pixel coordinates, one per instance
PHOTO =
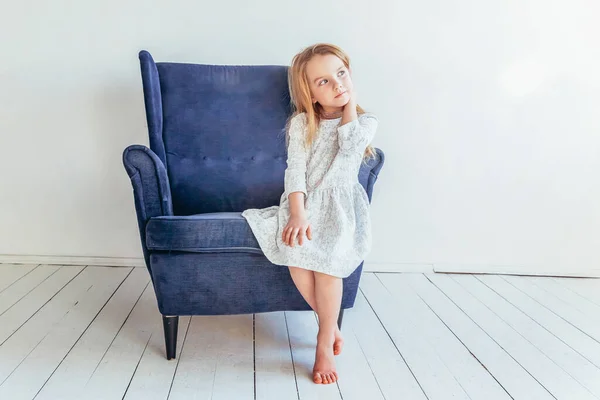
(170, 324)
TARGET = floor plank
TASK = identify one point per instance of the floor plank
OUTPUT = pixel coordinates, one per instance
(31, 374)
(571, 362)
(357, 380)
(394, 377)
(587, 288)
(437, 381)
(545, 371)
(580, 303)
(563, 309)
(18, 346)
(118, 366)
(15, 292)
(20, 312)
(274, 369)
(217, 359)
(75, 332)
(511, 375)
(11, 273)
(69, 379)
(302, 329)
(153, 377)
(569, 334)
(475, 380)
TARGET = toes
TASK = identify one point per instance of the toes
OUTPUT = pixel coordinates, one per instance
(325, 378)
(337, 347)
(317, 377)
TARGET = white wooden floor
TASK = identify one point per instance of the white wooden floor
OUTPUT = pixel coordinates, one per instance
(75, 332)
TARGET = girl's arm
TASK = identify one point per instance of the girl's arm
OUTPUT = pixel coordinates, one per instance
(356, 135)
(295, 173)
(296, 204)
(349, 114)
(355, 132)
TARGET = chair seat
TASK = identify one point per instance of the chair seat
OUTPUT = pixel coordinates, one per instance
(219, 232)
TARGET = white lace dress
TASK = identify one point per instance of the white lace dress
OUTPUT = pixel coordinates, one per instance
(337, 206)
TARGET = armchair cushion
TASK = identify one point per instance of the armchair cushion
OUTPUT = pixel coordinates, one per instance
(220, 232)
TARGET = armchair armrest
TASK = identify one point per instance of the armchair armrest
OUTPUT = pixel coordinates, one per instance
(151, 190)
(370, 172)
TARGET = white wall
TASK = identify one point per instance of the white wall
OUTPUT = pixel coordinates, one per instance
(489, 119)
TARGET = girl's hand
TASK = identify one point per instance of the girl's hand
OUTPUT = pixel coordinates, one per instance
(349, 113)
(297, 226)
(352, 101)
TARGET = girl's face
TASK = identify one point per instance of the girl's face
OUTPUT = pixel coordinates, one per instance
(330, 82)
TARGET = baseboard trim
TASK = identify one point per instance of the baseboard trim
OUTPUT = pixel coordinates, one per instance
(72, 260)
(517, 270)
(368, 266)
(397, 267)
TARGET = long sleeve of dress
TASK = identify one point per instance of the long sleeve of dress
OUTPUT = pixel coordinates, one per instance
(295, 173)
(337, 204)
(356, 135)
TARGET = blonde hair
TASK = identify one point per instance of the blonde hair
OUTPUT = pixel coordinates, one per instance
(300, 90)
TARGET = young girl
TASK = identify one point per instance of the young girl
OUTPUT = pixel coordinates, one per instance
(328, 137)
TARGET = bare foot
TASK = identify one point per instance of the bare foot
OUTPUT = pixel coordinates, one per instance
(338, 343)
(324, 370)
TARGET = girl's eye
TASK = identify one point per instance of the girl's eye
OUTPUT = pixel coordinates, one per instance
(324, 81)
(341, 73)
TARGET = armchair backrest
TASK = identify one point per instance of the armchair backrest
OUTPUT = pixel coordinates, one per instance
(220, 131)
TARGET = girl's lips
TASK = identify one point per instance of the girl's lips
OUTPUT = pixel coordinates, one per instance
(341, 94)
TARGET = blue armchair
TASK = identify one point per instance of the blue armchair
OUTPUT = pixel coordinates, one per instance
(217, 147)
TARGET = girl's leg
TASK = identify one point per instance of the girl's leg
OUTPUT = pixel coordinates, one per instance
(304, 280)
(328, 295)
